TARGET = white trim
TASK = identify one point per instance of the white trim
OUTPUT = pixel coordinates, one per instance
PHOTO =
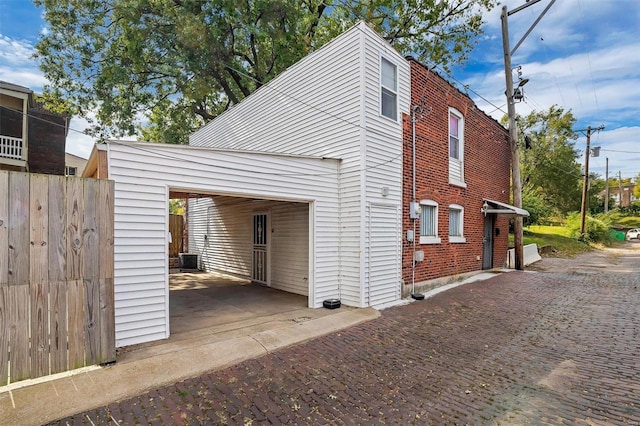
(458, 183)
(460, 160)
(312, 255)
(167, 292)
(430, 239)
(382, 87)
(457, 238)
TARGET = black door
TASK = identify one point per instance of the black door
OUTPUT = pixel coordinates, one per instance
(487, 240)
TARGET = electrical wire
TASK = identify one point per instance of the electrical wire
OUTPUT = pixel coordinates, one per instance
(468, 87)
(584, 38)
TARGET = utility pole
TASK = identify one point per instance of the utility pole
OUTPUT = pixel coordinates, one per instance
(619, 189)
(585, 186)
(606, 187)
(511, 112)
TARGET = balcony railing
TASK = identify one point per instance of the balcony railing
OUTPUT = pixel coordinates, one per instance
(11, 147)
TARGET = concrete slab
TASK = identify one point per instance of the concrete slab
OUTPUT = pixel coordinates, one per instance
(224, 322)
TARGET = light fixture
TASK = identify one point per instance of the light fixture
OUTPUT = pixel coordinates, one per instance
(518, 93)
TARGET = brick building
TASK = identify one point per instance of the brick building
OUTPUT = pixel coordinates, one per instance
(32, 139)
(462, 167)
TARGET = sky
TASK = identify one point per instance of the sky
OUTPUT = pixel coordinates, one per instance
(584, 55)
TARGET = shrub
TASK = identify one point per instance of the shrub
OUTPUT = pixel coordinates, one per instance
(596, 230)
(538, 210)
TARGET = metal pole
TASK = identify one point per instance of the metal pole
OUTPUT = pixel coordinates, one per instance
(606, 188)
(585, 185)
(513, 143)
(619, 188)
(413, 196)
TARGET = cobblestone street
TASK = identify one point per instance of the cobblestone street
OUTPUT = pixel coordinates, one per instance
(557, 344)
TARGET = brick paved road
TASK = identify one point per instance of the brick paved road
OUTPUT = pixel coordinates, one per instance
(550, 347)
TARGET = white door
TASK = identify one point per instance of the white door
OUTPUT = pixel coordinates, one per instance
(384, 254)
(259, 268)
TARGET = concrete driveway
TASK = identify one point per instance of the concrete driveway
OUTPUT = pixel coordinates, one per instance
(554, 345)
(215, 321)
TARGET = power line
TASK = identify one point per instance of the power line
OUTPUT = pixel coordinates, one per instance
(468, 87)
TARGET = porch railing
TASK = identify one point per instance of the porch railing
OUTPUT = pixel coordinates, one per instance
(11, 147)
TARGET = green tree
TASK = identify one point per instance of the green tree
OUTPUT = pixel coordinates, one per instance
(549, 170)
(636, 188)
(173, 65)
(596, 193)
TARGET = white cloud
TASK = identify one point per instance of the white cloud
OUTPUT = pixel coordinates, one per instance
(583, 56)
(15, 52)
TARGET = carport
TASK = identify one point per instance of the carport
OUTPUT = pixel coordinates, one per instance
(255, 220)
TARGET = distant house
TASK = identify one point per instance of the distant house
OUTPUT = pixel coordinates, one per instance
(622, 194)
(73, 165)
(32, 139)
(306, 187)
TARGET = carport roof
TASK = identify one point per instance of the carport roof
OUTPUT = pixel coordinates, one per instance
(93, 161)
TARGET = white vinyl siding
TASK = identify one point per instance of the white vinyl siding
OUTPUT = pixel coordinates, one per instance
(228, 245)
(429, 222)
(382, 152)
(313, 108)
(290, 248)
(328, 104)
(456, 224)
(383, 254)
(456, 148)
(220, 233)
(143, 175)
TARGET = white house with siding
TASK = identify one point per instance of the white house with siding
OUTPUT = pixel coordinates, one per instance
(300, 188)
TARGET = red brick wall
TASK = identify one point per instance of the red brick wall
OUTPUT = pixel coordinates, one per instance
(486, 170)
(47, 140)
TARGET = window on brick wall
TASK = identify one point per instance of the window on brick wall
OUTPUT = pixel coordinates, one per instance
(456, 148)
(429, 222)
(456, 224)
(388, 89)
(70, 171)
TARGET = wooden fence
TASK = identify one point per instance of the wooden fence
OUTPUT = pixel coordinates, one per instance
(175, 228)
(56, 274)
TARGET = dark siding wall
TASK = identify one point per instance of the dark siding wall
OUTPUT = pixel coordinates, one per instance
(10, 122)
(46, 143)
(486, 173)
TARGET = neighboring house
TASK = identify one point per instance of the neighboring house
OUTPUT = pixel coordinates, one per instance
(73, 165)
(462, 171)
(32, 139)
(303, 186)
(622, 194)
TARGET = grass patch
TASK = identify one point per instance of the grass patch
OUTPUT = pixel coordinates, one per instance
(627, 222)
(553, 236)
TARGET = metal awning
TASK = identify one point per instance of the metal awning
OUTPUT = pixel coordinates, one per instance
(496, 207)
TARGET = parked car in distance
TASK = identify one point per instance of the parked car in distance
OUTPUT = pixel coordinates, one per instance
(633, 234)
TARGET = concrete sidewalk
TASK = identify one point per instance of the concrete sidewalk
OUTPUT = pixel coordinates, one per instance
(34, 403)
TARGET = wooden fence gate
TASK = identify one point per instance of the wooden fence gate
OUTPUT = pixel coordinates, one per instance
(56, 274)
(175, 228)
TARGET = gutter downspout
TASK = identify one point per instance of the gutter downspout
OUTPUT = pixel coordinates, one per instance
(414, 110)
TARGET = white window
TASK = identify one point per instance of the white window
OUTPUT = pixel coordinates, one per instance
(456, 224)
(71, 171)
(389, 89)
(429, 222)
(456, 148)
